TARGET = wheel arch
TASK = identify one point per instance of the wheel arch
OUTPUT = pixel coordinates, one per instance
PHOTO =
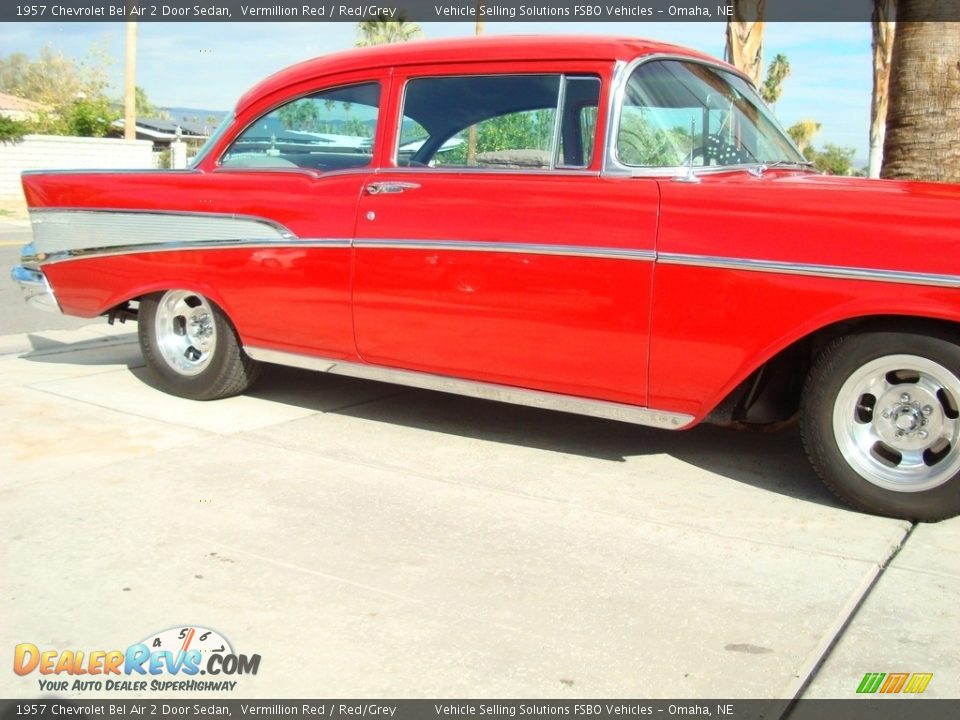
(119, 304)
(770, 392)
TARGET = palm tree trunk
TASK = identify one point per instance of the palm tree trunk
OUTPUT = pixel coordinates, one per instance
(923, 119)
(883, 33)
(744, 48)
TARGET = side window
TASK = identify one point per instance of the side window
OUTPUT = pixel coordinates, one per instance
(579, 129)
(497, 122)
(329, 130)
(516, 140)
(412, 138)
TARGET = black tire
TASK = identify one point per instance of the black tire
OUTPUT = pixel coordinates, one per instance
(206, 364)
(876, 431)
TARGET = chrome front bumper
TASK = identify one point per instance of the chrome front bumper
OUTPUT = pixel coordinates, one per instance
(35, 288)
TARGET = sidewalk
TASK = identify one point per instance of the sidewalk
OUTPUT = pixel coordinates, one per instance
(368, 540)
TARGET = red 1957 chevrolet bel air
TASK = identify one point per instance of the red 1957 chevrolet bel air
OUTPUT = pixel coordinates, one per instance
(614, 227)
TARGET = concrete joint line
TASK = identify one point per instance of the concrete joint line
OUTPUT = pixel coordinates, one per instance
(815, 660)
(26, 347)
(361, 403)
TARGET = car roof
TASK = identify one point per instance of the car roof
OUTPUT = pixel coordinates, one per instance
(467, 49)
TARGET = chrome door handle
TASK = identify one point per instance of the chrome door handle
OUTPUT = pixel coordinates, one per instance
(390, 187)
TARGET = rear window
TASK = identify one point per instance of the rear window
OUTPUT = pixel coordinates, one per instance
(329, 130)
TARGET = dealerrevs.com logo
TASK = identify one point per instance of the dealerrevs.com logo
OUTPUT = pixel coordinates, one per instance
(168, 661)
(894, 683)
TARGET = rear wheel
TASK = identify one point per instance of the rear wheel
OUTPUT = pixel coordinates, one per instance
(881, 423)
(190, 347)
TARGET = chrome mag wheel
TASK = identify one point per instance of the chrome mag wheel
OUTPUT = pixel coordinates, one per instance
(186, 331)
(191, 348)
(880, 419)
(895, 421)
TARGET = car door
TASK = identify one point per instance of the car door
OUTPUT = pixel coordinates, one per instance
(492, 249)
(299, 163)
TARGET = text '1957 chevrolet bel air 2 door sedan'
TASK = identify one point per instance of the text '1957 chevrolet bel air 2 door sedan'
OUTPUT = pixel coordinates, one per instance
(605, 226)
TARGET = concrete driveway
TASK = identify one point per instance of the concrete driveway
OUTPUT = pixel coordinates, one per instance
(369, 540)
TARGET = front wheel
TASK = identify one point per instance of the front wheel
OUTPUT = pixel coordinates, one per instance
(881, 423)
(190, 347)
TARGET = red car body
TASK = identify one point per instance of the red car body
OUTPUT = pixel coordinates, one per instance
(680, 300)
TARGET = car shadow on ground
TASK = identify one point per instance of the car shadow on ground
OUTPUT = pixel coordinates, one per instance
(773, 461)
(112, 350)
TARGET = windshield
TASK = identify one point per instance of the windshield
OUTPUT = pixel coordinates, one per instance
(678, 113)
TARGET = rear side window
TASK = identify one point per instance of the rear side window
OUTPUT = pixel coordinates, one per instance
(329, 130)
(512, 122)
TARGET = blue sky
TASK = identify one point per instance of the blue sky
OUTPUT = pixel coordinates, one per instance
(209, 65)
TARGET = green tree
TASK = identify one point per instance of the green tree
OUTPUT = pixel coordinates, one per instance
(833, 159)
(643, 143)
(803, 132)
(300, 115)
(12, 131)
(530, 130)
(772, 87)
(89, 117)
(355, 127)
(73, 89)
(145, 108)
(383, 31)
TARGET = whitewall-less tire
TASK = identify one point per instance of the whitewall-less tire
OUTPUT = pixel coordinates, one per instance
(881, 423)
(190, 347)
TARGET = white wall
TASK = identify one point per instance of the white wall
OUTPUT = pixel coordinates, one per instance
(51, 152)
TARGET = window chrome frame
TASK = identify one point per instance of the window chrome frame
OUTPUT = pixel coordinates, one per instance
(218, 165)
(621, 76)
(211, 142)
(558, 122)
(554, 169)
(561, 111)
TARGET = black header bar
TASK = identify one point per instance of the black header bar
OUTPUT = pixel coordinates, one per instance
(423, 11)
(894, 708)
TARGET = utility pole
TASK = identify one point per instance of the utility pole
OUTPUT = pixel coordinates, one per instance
(130, 84)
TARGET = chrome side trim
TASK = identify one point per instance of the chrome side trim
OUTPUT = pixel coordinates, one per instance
(64, 231)
(827, 271)
(503, 247)
(49, 259)
(35, 288)
(485, 391)
(481, 172)
(329, 243)
(111, 171)
(69, 234)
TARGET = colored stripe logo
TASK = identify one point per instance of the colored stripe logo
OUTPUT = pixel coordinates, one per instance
(894, 683)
